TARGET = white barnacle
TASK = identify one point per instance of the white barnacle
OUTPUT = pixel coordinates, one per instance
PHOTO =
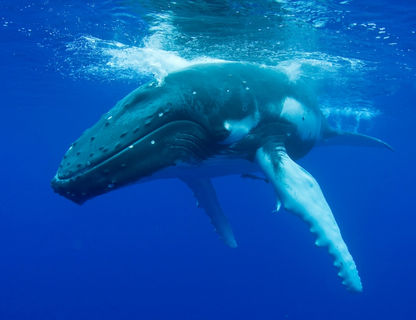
(109, 117)
(131, 146)
(160, 114)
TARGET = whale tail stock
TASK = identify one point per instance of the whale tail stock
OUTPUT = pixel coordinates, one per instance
(332, 136)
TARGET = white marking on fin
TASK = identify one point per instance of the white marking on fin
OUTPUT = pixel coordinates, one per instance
(206, 197)
(301, 195)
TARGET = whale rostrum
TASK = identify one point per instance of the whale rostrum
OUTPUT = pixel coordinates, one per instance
(211, 120)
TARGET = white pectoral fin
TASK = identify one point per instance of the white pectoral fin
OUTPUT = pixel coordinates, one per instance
(207, 199)
(301, 195)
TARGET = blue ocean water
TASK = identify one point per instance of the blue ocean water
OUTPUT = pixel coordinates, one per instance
(146, 251)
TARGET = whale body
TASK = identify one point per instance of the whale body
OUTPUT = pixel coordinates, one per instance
(213, 120)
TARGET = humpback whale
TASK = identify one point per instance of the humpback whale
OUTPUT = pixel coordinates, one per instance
(211, 120)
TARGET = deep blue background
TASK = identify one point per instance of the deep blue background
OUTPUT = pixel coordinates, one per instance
(147, 252)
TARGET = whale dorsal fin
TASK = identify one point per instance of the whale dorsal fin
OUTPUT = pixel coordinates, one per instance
(301, 195)
(206, 196)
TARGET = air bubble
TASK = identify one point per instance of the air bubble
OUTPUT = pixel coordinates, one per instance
(152, 142)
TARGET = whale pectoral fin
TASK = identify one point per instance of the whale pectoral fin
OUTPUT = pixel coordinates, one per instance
(301, 195)
(207, 199)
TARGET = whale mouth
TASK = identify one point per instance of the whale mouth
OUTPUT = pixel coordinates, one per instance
(174, 141)
(106, 172)
(93, 150)
(65, 175)
(91, 180)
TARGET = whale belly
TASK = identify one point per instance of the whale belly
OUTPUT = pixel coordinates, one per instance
(210, 168)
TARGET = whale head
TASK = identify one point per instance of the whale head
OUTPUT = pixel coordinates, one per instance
(141, 135)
